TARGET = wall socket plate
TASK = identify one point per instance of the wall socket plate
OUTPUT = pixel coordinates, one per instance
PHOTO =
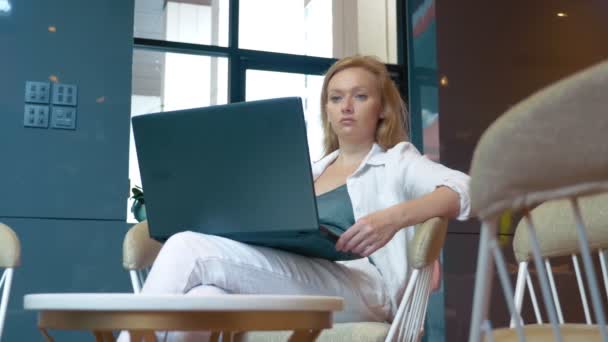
(37, 92)
(36, 116)
(63, 117)
(65, 94)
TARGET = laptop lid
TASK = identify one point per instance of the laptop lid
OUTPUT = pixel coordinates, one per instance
(241, 168)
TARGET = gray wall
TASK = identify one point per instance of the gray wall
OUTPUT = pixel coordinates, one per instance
(65, 191)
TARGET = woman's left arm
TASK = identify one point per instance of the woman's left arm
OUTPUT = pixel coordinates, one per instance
(375, 230)
(433, 189)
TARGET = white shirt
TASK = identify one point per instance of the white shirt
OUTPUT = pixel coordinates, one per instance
(386, 178)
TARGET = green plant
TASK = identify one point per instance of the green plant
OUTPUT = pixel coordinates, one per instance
(138, 208)
(138, 194)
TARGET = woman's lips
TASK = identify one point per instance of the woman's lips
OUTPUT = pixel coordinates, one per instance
(347, 121)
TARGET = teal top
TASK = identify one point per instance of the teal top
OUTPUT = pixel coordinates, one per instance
(335, 210)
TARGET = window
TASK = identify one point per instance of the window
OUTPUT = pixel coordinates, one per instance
(186, 21)
(165, 81)
(268, 84)
(324, 28)
(195, 53)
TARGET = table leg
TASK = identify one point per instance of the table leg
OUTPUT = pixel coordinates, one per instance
(46, 335)
(304, 335)
(238, 336)
(103, 336)
(231, 336)
(142, 336)
(215, 336)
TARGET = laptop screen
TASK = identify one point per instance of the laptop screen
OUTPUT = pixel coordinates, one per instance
(228, 169)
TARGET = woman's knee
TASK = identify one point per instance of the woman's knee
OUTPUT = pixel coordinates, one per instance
(192, 244)
(180, 239)
(178, 246)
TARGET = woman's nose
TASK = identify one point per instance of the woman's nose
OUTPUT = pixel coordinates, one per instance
(347, 105)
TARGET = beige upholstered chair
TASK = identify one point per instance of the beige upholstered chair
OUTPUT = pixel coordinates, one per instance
(10, 257)
(556, 231)
(139, 252)
(553, 145)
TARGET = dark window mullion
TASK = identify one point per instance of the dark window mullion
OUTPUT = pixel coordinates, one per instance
(280, 62)
(179, 47)
(413, 94)
(236, 69)
(236, 79)
(233, 24)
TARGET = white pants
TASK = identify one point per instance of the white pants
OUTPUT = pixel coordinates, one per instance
(198, 264)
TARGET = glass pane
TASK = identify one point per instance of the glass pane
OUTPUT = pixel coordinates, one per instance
(430, 122)
(170, 81)
(268, 84)
(186, 21)
(324, 28)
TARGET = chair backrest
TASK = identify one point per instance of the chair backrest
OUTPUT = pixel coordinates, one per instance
(10, 257)
(138, 253)
(556, 231)
(550, 146)
(423, 250)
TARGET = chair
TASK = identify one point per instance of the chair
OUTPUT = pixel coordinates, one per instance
(520, 163)
(555, 228)
(139, 251)
(10, 257)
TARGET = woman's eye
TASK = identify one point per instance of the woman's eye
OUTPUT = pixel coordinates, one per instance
(361, 96)
(335, 98)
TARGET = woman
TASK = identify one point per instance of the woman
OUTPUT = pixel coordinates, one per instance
(371, 182)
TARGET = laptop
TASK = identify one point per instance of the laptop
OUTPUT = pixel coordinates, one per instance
(241, 171)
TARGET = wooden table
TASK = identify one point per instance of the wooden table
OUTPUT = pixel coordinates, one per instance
(225, 315)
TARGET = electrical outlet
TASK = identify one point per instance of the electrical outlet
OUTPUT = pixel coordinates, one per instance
(63, 117)
(64, 94)
(37, 92)
(36, 116)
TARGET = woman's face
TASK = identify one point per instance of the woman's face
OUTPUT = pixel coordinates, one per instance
(354, 105)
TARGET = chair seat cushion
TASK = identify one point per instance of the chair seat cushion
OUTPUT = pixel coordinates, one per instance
(341, 332)
(542, 333)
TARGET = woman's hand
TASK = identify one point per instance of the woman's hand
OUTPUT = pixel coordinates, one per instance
(373, 231)
(369, 233)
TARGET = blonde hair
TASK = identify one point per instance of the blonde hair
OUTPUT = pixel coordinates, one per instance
(391, 130)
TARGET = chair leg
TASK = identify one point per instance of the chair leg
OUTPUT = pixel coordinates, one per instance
(535, 306)
(581, 289)
(558, 305)
(135, 282)
(215, 336)
(583, 240)
(304, 335)
(228, 336)
(46, 335)
(602, 256)
(483, 280)
(503, 277)
(5, 286)
(141, 336)
(543, 278)
(103, 336)
(520, 285)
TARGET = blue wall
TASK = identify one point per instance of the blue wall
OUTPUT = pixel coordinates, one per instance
(64, 191)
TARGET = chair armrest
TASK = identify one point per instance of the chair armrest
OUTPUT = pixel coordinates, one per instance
(425, 246)
(138, 249)
(10, 248)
